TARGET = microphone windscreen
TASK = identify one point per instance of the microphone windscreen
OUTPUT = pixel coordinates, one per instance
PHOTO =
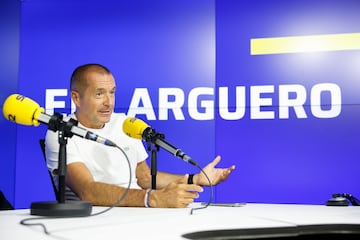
(134, 127)
(22, 110)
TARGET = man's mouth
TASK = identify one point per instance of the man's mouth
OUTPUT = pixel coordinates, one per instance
(105, 111)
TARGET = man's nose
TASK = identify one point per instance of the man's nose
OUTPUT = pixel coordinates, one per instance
(107, 100)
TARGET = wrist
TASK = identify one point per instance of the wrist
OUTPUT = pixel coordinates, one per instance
(147, 198)
(191, 179)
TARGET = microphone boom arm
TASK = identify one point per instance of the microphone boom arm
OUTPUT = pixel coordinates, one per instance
(158, 139)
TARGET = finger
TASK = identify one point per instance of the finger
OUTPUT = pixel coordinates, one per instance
(193, 188)
(227, 172)
(191, 195)
(186, 202)
(230, 169)
(215, 161)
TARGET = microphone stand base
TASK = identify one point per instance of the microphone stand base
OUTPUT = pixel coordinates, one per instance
(66, 209)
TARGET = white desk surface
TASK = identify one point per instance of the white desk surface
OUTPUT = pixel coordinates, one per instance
(165, 223)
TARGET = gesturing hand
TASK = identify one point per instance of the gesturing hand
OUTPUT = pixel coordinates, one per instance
(216, 175)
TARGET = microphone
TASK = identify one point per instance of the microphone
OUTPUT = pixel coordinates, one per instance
(25, 111)
(136, 128)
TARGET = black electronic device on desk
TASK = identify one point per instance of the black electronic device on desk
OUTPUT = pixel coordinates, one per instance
(342, 199)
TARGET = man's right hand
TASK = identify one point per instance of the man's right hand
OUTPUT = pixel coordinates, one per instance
(175, 195)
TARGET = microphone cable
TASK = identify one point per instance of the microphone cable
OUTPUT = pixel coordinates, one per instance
(25, 221)
(211, 190)
(126, 191)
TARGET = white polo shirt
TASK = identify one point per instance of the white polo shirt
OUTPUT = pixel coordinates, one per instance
(106, 164)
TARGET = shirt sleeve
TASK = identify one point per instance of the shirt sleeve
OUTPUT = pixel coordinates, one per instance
(142, 154)
(52, 151)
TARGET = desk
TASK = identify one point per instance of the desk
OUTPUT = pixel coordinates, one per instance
(172, 224)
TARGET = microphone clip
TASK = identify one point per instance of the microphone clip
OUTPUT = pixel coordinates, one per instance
(150, 136)
(56, 123)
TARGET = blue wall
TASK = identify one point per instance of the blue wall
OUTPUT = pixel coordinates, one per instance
(293, 159)
(9, 65)
(167, 52)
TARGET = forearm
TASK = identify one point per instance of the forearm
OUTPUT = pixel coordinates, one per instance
(162, 180)
(102, 194)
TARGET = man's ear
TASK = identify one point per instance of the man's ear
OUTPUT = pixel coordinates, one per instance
(75, 97)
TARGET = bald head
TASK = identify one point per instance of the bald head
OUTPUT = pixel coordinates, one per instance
(80, 76)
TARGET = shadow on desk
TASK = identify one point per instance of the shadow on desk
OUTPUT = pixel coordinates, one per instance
(304, 232)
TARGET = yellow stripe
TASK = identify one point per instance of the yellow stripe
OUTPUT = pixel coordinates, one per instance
(313, 43)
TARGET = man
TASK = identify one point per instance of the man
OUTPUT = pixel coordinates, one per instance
(100, 174)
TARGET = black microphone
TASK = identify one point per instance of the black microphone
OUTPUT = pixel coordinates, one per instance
(136, 128)
(22, 110)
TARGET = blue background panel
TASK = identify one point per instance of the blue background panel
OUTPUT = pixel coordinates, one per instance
(292, 160)
(9, 64)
